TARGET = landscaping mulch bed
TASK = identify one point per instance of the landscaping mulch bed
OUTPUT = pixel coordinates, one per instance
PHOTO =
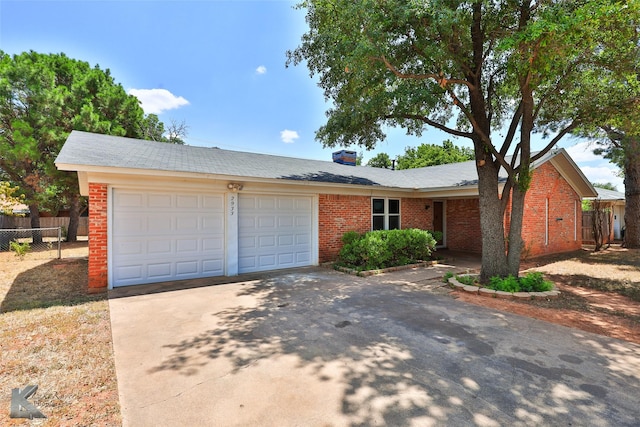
(600, 292)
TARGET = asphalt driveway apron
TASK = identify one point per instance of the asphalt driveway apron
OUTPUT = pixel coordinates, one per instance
(314, 347)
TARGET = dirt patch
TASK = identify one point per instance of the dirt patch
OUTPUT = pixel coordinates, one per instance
(600, 292)
(56, 336)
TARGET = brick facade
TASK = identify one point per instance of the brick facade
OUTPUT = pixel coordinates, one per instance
(548, 188)
(98, 275)
(463, 225)
(338, 214)
(415, 215)
(564, 214)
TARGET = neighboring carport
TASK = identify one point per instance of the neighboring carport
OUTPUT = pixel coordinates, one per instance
(315, 347)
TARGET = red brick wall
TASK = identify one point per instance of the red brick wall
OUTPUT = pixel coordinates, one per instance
(463, 225)
(338, 214)
(564, 203)
(97, 237)
(415, 215)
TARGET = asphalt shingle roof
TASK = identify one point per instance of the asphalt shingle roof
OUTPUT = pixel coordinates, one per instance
(104, 151)
(604, 194)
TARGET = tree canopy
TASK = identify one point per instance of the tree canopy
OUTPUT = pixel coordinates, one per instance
(153, 129)
(380, 160)
(468, 68)
(433, 154)
(605, 185)
(424, 155)
(42, 98)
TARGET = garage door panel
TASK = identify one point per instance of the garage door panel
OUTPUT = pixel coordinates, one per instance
(214, 224)
(129, 273)
(266, 222)
(269, 229)
(212, 265)
(285, 240)
(157, 223)
(186, 267)
(266, 241)
(156, 200)
(213, 203)
(186, 246)
(159, 247)
(187, 202)
(213, 244)
(266, 203)
(159, 270)
(130, 225)
(162, 236)
(129, 200)
(286, 221)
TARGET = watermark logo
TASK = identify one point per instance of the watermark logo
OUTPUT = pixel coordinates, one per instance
(21, 407)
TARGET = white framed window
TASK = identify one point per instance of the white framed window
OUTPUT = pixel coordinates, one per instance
(385, 214)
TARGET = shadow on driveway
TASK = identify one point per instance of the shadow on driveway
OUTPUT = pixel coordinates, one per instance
(315, 347)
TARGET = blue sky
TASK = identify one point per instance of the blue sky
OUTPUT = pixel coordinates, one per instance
(217, 65)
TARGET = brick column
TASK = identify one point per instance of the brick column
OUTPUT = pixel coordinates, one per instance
(97, 237)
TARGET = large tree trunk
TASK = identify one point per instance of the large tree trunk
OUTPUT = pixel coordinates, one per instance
(74, 217)
(515, 231)
(494, 259)
(632, 194)
(34, 214)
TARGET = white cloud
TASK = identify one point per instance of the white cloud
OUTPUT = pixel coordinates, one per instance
(603, 174)
(261, 70)
(157, 101)
(583, 152)
(289, 136)
(595, 168)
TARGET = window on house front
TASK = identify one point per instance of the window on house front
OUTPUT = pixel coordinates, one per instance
(385, 214)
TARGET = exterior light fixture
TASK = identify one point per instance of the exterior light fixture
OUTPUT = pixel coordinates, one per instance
(234, 186)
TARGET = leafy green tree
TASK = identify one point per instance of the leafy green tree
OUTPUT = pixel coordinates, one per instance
(624, 150)
(605, 185)
(617, 134)
(8, 198)
(432, 154)
(42, 98)
(487, 64)
(151, 128)
(380, 160)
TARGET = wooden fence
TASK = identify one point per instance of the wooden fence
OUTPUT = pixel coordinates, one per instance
(45, 222)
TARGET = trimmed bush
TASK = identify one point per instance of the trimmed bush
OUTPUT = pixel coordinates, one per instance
(385, 248)
(532, 282)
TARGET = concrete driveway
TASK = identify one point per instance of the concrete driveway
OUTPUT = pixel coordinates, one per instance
(313, 347)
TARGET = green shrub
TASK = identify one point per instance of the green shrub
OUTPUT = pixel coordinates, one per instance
(507, 284)
(21, 249)
(532, 282)
(438, 235)
(350, 237)
(448, 275)
(468, 280)
(385, 248)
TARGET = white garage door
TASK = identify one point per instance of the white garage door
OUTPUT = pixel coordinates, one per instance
(160, 236)
(274, 232)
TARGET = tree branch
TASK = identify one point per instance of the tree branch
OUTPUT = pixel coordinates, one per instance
(430, 122)
(554, 141)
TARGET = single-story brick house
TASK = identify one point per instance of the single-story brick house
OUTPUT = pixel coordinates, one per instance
(160, 212)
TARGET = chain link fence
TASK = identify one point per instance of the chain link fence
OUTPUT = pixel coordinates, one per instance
(42, 242)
